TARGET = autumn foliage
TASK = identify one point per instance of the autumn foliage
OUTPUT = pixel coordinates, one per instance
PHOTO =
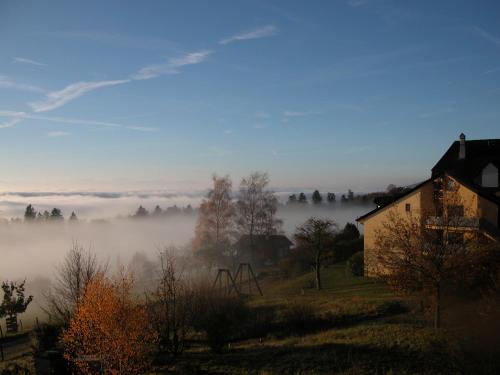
(109, 331)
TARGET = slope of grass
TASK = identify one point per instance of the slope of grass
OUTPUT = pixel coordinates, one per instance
(335, 281)
(353, 326)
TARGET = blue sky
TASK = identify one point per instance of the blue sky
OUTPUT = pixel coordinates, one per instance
(117, 95)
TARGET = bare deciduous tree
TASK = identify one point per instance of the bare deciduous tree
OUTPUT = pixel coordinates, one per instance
(71, 278)
(215, 219)
(316, 236)
(423, 252)
(256, 208)
(170, 304)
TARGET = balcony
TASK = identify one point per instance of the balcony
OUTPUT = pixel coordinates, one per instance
(464, 223)
(453, 222)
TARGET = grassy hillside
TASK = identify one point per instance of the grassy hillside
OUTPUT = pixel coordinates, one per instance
(353, 326)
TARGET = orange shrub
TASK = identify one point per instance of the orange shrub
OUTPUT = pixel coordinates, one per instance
(109, 330)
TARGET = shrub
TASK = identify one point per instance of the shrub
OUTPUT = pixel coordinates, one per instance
(47, 335)
(344, 249)
(356, 264)
(110, 325)
(222, 318)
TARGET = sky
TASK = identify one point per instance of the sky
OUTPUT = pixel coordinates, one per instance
(143, 95)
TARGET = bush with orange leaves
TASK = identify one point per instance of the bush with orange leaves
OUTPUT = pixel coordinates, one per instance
(109, 332)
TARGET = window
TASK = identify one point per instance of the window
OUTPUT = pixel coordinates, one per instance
(489, 176)
(408, 207)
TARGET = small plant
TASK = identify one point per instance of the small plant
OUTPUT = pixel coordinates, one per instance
(356, 264)
(220, 317)
(14, 302)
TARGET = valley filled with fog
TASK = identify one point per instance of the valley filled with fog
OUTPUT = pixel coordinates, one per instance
(105, 224)
(107, 227)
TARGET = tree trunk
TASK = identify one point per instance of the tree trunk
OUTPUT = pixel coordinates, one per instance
(318, 270)
(437, 308)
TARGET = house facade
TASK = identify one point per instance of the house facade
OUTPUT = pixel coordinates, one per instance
(464, 184)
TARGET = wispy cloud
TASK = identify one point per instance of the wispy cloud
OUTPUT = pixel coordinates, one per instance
(261, 32)
(492, 70)
(7, 83)
(294, 113)
(143, 128)
(23, 60)
(263, 115)
(57, 134)
(172, 65)
(487, 35)
(10, 123)
(56, 99)
(19, 116)
(300, 113)
(259, 126)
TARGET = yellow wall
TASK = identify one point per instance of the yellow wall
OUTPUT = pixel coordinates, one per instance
(418, 200)
(422, 202)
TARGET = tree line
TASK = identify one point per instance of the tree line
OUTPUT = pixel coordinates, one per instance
(32, 215)
(317, 198)
(158, 212)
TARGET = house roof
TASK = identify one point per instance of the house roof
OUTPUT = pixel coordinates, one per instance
(478, 154)
(376, 210)
(467, 171)
(261, 240)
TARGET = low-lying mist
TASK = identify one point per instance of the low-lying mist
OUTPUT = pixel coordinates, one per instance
(33, 250)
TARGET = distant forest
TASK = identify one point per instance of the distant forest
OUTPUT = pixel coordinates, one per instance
(295, 201)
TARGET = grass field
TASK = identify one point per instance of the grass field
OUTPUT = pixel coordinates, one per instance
(354, 326)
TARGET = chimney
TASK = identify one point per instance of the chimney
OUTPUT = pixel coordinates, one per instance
(461, 152)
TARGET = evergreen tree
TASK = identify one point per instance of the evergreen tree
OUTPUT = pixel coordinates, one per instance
(350, 232)
(141, 212)
(157, 211)
(30, 213)
(302, 198)
(56, 214)
(330, 197)
(350, 195)
(316, 197)
(292, 199)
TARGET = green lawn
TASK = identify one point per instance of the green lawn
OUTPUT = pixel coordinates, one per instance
(362, 329)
